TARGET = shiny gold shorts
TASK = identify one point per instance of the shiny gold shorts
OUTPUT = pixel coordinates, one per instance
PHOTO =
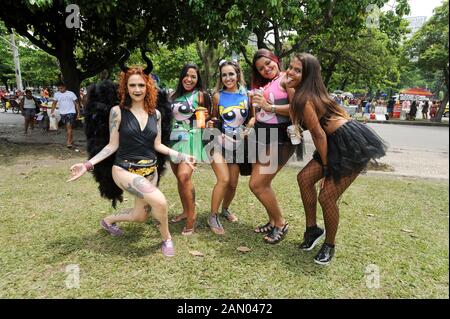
(143, 167)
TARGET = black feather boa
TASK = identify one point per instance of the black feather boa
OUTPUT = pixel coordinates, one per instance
(101, 97)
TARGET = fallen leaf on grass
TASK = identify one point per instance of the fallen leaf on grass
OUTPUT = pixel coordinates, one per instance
(407, 230)
(413, 236)
(243, 249)
(371, 215)
(196, 253)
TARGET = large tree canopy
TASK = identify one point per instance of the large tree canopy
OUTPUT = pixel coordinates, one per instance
(105, 26)
(429, 47)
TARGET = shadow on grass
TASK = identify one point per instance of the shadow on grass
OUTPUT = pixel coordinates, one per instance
(262, 254)
(104, 244)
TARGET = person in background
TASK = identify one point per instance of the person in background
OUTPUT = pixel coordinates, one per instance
(425, 108)
(29, 106)
(69, 109)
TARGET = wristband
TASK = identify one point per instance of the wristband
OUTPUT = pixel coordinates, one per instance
(88, 165)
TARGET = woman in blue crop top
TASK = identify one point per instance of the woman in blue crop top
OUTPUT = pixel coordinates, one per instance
(234, 117)
(135, 134)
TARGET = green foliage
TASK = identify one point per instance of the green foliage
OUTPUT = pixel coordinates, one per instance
(428, 48)
(168, 63)
(397, 224)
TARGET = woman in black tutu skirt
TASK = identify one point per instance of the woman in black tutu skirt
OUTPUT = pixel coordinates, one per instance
(343, 149)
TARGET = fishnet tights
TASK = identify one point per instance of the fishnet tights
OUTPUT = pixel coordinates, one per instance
(328, 197)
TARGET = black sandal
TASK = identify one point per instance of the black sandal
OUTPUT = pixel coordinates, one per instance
(277, 234)
(264, 229)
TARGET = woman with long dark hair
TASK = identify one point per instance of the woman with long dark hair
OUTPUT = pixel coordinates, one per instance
(343, 149)
(186, 138)
(271, 99)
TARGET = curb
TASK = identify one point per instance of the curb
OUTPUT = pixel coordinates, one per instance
(405, 122)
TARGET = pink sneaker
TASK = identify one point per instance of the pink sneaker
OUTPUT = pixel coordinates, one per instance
(112, 229)
(167, 248)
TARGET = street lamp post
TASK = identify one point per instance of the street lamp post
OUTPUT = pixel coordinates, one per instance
(15, 52)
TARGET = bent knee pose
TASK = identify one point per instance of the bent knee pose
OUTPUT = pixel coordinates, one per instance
(271, 97)
(343, 149)
(231, 111)
(135, 137)
(186, 138)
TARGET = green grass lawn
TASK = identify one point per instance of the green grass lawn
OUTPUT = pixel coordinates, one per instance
(46, 224)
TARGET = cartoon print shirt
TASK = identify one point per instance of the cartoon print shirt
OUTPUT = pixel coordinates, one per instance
(233, 112)
(183, 110)
(274, 94)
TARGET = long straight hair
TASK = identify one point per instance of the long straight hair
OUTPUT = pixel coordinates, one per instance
(312, 89)
(257, 79)
(180, 91)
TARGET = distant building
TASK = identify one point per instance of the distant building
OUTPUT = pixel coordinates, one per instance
(415, 23)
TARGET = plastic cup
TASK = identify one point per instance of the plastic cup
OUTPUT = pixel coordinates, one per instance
(200, 116)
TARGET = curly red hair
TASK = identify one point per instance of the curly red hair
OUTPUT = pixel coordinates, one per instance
(151, 91)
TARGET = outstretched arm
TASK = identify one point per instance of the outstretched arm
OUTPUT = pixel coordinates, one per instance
(163, 149)
(79, 169)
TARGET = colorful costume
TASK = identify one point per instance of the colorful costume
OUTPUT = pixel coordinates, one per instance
(268, 121)
(233, 111)
(101, 98)
(186, 137)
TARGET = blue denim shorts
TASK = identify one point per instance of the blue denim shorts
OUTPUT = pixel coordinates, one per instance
(69, 118)
(29, 112)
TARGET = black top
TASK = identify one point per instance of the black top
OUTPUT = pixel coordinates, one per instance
(134, 144)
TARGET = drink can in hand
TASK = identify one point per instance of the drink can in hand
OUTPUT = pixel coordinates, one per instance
(294, 134)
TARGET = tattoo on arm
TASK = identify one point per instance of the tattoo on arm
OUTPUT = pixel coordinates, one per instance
(104, 153)
(112, 120)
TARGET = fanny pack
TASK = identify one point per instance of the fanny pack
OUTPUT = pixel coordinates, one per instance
(143, 167)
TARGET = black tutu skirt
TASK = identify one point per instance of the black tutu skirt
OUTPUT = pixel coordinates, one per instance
(350, 148)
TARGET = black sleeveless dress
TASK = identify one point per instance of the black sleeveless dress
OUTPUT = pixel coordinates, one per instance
(136, 145)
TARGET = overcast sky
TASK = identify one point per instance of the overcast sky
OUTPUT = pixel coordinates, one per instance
(419, 7)
(423, 7)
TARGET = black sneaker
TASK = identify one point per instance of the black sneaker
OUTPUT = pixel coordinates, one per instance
(311, 238)
(324, 255)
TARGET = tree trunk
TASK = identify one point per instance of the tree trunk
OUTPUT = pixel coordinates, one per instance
(440, 112)
(344, 83)
(65, 54)
(438, 117)
(330, 70)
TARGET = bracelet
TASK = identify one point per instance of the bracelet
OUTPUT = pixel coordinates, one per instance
(272, 108)
(88, 165)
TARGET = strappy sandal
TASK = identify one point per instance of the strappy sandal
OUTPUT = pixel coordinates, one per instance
(189, 231)
(277, 234)
(178, 218)
(264, 229)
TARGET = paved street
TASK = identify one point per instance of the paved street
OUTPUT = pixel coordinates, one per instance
(416, 151)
